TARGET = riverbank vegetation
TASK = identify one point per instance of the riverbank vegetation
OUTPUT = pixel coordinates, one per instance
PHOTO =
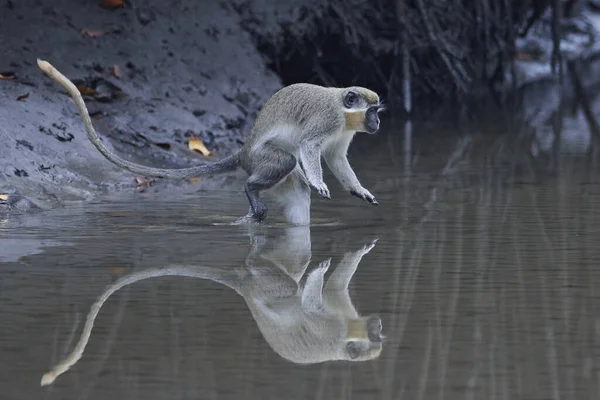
(424, 52)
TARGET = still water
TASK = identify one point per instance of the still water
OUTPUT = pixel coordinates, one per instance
(481, 263)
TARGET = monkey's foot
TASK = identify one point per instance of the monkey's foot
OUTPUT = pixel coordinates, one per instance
(364, 194)
(249, 219)
(246, 219)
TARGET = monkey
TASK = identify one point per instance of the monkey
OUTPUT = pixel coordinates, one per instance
(304, 318)
(296, 127)
(335, 329)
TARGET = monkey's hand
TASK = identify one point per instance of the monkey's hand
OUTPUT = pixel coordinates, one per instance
(365, 195)
(368, 247)
(323, 190)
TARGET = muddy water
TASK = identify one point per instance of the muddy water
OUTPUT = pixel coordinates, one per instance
(485, 277)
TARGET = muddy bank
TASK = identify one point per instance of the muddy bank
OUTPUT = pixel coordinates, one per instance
(163, 71)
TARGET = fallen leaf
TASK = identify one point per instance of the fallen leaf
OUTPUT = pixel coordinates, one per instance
(7, 75)
(91, 33)
(23, 96)
(194, 180)
(86, 91)
(116, 71)
(196, 144)
(141, 181)
(111, 4)
(4, 197)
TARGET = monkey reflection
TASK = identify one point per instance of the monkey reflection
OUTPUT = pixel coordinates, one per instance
(305, 318)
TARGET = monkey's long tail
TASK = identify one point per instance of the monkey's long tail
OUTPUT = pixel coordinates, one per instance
(227, 277)
(226, 164)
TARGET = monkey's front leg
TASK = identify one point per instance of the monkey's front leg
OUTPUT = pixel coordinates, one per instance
(312, 294)
(310, 156)
(339, 165)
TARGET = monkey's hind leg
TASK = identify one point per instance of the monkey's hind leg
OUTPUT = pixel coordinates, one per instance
(270, 167)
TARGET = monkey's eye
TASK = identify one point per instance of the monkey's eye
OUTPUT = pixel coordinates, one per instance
(350, 100)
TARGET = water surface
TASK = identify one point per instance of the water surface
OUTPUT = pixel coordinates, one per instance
(484, 276)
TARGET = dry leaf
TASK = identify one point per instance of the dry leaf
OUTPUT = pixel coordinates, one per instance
(116, 71)
(91, 33)
(7, 75)
(86, 91)
(141, 181)
(194, 180)
(111, 4)
(3, 197)
(196, 144)
(23, 96)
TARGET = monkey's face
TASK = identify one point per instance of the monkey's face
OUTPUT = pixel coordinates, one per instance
(364, 339)
(372, 119)
(363, 108)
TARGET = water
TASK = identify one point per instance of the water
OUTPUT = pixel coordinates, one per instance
(484, 276)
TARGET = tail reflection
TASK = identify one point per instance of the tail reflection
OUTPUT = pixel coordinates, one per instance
(303, 317)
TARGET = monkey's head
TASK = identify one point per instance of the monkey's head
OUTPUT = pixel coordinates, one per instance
(324, 339)
(364, 339)
(361, 107)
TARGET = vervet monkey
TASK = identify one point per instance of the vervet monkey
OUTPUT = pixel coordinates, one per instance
(304, 323)
(296, 126)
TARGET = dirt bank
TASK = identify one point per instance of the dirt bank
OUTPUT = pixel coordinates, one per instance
(164, 71)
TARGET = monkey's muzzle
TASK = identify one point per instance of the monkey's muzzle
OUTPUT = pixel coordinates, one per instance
(372, 119)
(374, 328)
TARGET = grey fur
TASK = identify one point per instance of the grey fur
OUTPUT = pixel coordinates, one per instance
(296, 126)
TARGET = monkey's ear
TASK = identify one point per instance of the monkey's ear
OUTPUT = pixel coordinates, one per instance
(352, 349)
